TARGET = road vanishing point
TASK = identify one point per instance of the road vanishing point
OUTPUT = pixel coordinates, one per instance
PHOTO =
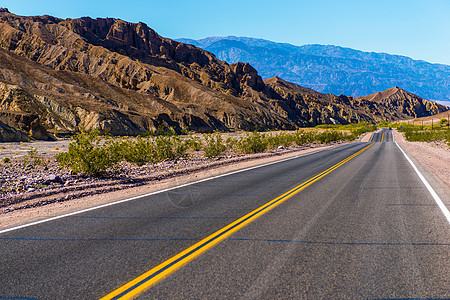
(355, 221)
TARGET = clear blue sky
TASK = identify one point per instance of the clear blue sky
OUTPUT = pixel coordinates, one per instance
(419, 29)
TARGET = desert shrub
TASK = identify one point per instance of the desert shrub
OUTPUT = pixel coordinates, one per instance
(355, 130)
(230, 142)
(169, 146)
(86, 155)
(427, 135)
(139, 151)
(33, 154)
(418, 133)
(284, 139)
(214, 145)
(180, 146)
(194, 143)
(6, 160)
(252, 143)
(272, 141)
(330, 136)
(304, 137)
(25, 161)
(163, 148)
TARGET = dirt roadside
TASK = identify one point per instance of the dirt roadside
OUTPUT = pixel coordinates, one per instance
(38, 209)
(434, 157)
(436, 161)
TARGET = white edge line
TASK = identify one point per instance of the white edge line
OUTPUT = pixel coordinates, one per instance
(430, 189)
(153, 193)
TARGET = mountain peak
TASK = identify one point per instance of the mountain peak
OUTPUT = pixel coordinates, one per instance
(274, 79)
(334, 69)
(389, 93)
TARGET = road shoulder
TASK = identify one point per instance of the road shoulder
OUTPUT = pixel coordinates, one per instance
(29, 213)
(432, 161)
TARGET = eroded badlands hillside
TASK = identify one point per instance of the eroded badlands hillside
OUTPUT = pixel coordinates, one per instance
(57, 76)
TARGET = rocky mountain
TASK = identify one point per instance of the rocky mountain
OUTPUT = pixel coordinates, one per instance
(392, 104)
(57, 76)
(332, 69)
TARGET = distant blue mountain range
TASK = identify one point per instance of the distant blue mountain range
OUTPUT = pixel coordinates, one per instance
(333, 69)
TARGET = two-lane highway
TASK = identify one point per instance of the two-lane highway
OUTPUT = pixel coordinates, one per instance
(353, 221)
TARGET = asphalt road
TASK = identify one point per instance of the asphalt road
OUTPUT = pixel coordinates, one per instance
(367, 229)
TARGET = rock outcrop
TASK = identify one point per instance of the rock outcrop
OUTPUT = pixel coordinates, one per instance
(10, 134)
(402, 104)
(58, 76)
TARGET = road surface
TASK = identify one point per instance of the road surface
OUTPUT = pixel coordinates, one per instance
(354, 221)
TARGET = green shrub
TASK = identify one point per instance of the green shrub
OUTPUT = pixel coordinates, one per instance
(164, 148)
(356, 129)
(194, 143)
(230, 142)
(139, 151)
(33, 154)
(86, 155)
(284, 139)
(330, 136)
(252, 143)
(417, 133)
(180, 146)
(304, 137)
(214, 145)
(6, 160)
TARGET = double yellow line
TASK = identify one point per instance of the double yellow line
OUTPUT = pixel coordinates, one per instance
(149, 278)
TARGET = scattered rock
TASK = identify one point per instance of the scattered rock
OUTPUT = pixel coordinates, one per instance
(53, 178)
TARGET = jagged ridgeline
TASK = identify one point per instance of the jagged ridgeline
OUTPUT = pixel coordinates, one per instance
(58, 76)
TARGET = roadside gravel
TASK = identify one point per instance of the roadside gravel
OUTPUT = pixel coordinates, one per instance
(33, 192)
(435, 157)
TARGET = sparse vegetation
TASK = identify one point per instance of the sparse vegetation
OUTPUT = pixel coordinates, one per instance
(418, 133)
(93, 155)
(86, 155)
(33, 155)
(194, 143)
(140, 151)
(252, 143)
(355, 130)
(214, 145)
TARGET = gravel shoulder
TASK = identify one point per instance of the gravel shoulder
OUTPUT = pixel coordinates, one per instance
(434, 157)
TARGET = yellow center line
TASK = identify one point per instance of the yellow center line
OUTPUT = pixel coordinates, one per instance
(149, 278)
(382, 137)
